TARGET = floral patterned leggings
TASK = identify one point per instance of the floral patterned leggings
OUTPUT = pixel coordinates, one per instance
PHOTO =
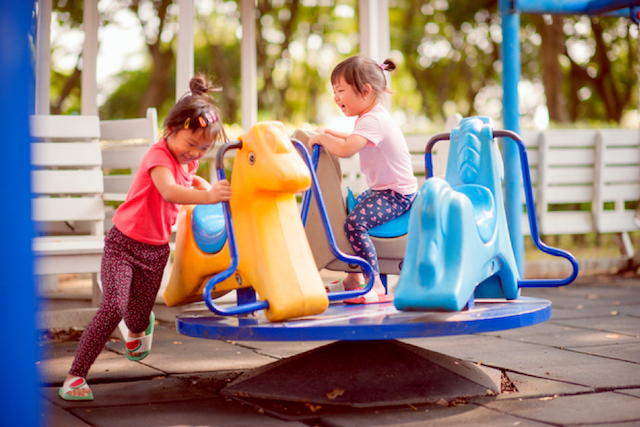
(131, 273)
(374, 208)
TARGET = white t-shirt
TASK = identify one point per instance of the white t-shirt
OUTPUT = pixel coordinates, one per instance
(385, 160)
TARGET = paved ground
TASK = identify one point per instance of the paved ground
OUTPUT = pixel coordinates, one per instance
(582, 367)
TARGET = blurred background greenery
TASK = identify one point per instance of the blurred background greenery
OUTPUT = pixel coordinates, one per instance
(576, 70)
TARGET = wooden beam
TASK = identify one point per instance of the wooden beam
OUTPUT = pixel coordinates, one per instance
(43, 58)
(89, 92)
(249, 66)
(185, 54)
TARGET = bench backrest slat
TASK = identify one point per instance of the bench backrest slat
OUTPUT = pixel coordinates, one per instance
(67, 181)
(65, 127)
(73, 182)
(68, 209)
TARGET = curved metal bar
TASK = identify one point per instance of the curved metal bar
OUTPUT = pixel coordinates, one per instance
(233, 250)
(533, 222)
(306, 199)
(333, 246)
(428, 158)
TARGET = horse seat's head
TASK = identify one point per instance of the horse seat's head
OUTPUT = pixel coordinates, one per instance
(268, 161)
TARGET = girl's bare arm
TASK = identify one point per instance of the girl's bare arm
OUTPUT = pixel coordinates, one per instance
(173, 193)
(341, 147)
(333, 132)
(200, 183)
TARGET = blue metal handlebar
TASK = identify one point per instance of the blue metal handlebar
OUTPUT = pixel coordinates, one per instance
(233, 251)
(306, 199)
(312, 164)
(531, 209)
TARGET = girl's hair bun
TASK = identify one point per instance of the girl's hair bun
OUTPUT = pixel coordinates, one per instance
(200, 85)
(389, 65)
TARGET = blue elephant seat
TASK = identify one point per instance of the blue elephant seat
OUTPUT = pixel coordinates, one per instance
(458, 247)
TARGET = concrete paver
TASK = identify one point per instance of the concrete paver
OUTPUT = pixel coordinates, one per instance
(214, 411)
(529, 386)
(157, 390)
(173, 353)
(564, 336)
(629, 352)
(620, 324)
(56, 362)
(630, 392)
(465, 415)
(580, 409)
(580, 367)
(54, 416)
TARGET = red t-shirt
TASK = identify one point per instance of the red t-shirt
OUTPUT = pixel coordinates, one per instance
(145, 216)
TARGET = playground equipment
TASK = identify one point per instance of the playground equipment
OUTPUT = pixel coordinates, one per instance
(372, 323)
(390, 239)
(271, 255)
(267, 174)
(458, 242)
(458, 247)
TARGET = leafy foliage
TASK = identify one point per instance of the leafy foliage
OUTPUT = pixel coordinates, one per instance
(448, 52)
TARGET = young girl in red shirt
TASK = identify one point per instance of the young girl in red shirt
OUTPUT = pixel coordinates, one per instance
(137, 247)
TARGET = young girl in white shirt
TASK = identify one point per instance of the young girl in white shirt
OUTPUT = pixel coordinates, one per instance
(359, 85)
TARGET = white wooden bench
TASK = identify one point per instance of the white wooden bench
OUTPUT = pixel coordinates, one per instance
(67, 187)
(585, 181)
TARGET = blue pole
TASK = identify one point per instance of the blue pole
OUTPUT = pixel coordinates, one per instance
(573, 7)
(19, 401)
(510, 54)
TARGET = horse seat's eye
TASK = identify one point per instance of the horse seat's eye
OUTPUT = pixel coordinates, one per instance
(251, 158)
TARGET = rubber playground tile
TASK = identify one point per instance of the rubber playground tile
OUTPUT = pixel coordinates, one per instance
(215, 411)
(535, 360)
(560, 315)
(173, 353)
(630, 392)
(281, 349)
(629, 424)
(156, 390)
(629, 352)
(588, 409)
(588, 302)
(433, 416)
(614, 323)
(528, 386)
(561, 336)
(54, 416)
(55, 364)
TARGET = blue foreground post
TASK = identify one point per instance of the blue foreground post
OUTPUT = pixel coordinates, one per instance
(510, 54)
(18, 354)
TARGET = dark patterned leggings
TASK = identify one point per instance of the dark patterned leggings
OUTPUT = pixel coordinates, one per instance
(131, 275)
(374, 208)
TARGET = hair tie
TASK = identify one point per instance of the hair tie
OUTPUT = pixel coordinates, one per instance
(383, 67)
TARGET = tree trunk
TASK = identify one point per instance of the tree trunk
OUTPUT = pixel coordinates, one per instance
(552, 75)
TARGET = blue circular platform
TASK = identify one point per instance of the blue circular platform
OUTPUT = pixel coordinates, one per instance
(367, 322)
